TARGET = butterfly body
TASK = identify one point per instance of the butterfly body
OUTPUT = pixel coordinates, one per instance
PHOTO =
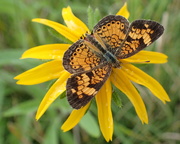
(110, 58)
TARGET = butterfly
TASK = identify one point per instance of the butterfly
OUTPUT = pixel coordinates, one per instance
(90, 60)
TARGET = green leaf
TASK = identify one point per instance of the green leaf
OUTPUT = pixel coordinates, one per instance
(51, 136)
(97, 16)
(90, 18)
(93, 17)
(63, 95)
(116, 96)
(66, 137)
(3, 131)
(2, 94)
(89, 124)
(22, 108)
(10, 56)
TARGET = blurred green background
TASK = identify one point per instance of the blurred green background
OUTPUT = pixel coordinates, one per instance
(18, 104)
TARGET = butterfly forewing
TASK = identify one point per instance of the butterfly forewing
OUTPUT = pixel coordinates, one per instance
(111, 31)
(80, 57)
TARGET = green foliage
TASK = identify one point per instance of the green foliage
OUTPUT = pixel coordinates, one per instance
(116, 96)
(89, 124)
(18, 104)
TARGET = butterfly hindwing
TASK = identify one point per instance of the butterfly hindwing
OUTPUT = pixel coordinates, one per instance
(82, 87)
(141, 34)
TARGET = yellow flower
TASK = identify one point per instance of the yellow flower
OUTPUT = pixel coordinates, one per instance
(121, 78)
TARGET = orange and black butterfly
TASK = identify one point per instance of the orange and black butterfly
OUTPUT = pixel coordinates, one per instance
(90, 60)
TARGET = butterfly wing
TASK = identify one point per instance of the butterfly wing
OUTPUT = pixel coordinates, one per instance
(82, 87)
(81, 57)
(141, 34)
(111, 31)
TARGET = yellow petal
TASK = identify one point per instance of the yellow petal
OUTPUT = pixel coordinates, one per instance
(120, 80)
(63, 30)
(44, 72)
(74, 118)
(124, 11)
(49, 51)
(147, 57)
(73, 22)
(140, 77)
(56, 89)
(103, 100)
